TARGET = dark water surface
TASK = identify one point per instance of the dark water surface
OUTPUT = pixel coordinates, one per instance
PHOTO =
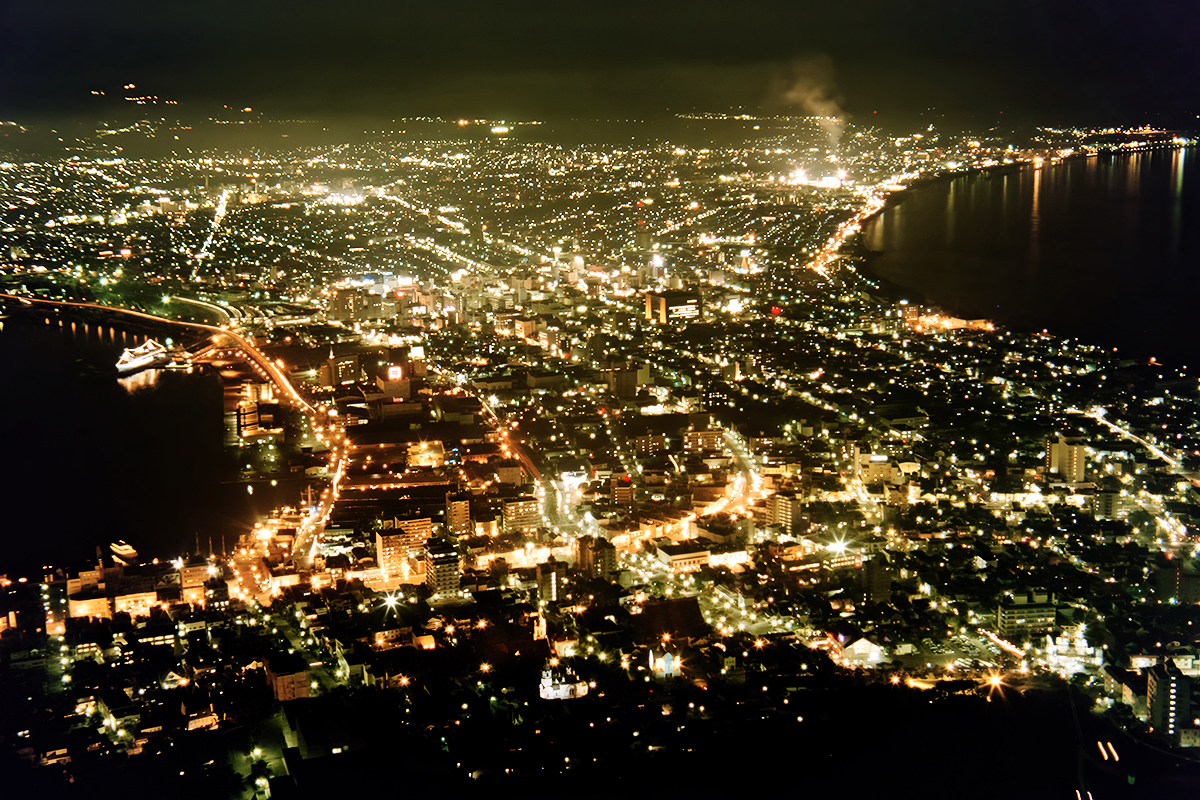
(1106, 249)
(90, 459)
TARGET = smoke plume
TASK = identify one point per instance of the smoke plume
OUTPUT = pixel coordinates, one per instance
(807, 84)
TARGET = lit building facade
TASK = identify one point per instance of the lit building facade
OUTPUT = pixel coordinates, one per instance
(695, 441)
(551, 578)
(521, 514)
(595, 557)
(675, 306)
(1025, 615)
(1067, 459)
(1168, 698)
(458, 513)
(399, 542)
(443, 568)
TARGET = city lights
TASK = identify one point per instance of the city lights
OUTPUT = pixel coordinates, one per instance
(553, 455)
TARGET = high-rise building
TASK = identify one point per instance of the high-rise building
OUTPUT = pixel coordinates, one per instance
(876, 581)
(458, 513)
(649, 445)
(1026, 614)
(510, 471)
(551, 575)
(1067, 458)
(1178, 583)
(192, 575)
(344, 304)
(1106, 504)
(350, 304)
(621, 489)
(694, 441)
(595, 557)
(623, 381)
(337, 370)
(287, 675)
(399, 542)
(1168, 698)
(673, 306)
(443, 568)
(394, 380)
(787, 509)
(521, 514)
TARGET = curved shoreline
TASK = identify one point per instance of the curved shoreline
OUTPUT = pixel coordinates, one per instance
(898, 197)
(1018, 318)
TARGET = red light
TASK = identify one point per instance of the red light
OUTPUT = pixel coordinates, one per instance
(776, 310)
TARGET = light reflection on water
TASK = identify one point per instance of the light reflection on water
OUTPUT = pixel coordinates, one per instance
(139, 381)
(1104, 248)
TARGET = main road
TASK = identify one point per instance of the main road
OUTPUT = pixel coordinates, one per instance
(309, 532)
(1098, 415)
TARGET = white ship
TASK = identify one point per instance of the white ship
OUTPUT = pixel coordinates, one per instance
(146, 355)
(123, 552)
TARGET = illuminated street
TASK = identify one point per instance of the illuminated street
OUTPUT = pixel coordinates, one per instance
(566, 398)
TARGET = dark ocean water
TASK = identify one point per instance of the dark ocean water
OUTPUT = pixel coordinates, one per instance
(1106, 249)
(90, 459)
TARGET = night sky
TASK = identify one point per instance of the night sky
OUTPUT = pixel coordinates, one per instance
(1035, 60)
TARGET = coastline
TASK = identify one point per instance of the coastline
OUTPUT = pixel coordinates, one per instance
(899, 196)
(866, 256)
(1131, 328)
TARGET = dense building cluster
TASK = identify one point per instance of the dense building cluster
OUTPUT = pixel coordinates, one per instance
(604, 450)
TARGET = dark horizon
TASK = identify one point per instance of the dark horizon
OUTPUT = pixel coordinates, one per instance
(1072, 63)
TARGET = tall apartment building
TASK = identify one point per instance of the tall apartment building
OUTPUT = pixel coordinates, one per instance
(1106, 505)
(1025, 615)
(621, 489)
(623, 381)
(1168, 698)
(551, 578)
(521, 514)
(399, 543)
(510, 472)
(876, 580)
(1179, 583)
(1066, 458)
(458, 513)
(443, 568)
(703, 440)
(595, 557)
(287, 677)
(787, 509)
(649, 445)
(192, 575)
